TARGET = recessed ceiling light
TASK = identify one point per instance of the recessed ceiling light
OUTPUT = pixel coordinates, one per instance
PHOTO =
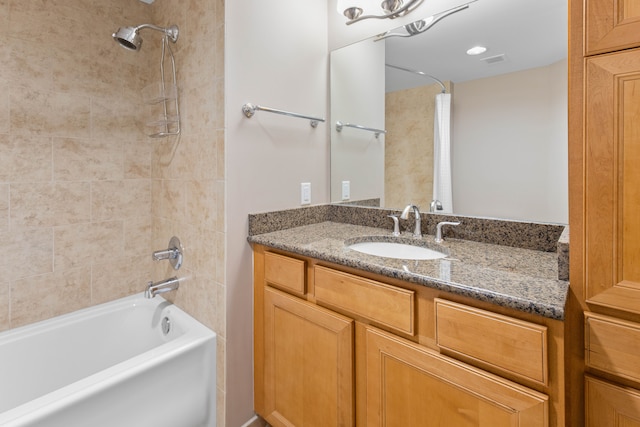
(476, 50)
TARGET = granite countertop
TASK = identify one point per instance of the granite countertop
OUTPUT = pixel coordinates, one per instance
(522, 279)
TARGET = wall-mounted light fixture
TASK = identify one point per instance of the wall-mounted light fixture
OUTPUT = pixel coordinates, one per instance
(420, 26)
(354, 9)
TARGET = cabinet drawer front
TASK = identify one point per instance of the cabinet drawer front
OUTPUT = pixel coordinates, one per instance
(509, 344)
(285, 272)
(612, 345)
(384, 304)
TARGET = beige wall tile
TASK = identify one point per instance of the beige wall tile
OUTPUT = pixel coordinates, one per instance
(27, 252)
(220, 206)
(173, 200)
(111, 200)
(41, 297)
(137, 236)
(48, 204)
(4, 208)
(45, 113)
(4, 105)
(201, 199)
(220, 170)
(87, 159)
(29, 64)
(82, 244)
(137, 159)
(114, 118)
(4, 307)
(25, 158)
(119, 277)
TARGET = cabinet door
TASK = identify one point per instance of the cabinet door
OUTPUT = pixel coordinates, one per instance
(611, 25)
(612, 195)
(608, 405)
(403, 384)
(308, 364)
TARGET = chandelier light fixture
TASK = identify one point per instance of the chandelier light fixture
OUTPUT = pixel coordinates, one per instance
(389, 9)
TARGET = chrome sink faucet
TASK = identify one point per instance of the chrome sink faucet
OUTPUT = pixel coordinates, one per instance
(417, 232)
(435, 206)
(439, 238)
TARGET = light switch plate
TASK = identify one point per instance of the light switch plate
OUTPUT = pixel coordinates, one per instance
(346, 190)
(305, 193)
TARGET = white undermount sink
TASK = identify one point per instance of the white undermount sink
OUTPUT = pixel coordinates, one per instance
(396, 250)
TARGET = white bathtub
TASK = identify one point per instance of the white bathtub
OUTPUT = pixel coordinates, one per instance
(110, 365)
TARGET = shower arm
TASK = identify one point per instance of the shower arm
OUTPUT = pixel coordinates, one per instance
(171, 32)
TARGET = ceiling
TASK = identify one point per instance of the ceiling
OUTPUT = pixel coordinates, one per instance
(529, 33)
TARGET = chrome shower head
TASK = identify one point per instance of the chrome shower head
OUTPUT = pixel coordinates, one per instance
(129, 37)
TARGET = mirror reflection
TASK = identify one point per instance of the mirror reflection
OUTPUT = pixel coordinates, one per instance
(485, 134)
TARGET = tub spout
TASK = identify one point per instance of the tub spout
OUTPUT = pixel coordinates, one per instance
(161, 287)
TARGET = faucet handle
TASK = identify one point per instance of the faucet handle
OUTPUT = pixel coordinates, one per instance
(396, 225)
(439, 238)
(173, 253)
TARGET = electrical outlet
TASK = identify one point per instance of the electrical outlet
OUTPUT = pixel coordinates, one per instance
(305, 193)
(346, 190)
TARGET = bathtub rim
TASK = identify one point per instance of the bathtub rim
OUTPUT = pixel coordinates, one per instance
(197, 335)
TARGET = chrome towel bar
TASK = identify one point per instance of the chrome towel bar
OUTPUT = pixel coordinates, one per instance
(340, 125)
(249, 110)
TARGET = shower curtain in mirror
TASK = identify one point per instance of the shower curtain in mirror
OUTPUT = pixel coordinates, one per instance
(442, 153)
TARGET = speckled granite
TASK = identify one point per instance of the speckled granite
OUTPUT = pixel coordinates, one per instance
(521, 279)
(519, 234)
(563, 255)
(280, 220)
(374, 203)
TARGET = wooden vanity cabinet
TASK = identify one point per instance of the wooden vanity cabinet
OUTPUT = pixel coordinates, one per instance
(360, 349)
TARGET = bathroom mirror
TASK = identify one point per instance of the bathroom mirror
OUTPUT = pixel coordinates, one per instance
(508, 119)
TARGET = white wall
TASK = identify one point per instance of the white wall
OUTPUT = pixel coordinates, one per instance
(357, 97)
(276, 55)
(509, 145)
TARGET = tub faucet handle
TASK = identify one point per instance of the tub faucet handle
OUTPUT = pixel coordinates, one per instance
(173, 253)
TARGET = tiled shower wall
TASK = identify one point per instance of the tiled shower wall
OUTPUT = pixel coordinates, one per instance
(188, 172)
(75, 167)
(85, 196)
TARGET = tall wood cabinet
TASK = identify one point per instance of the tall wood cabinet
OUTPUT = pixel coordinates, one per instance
(604, 175)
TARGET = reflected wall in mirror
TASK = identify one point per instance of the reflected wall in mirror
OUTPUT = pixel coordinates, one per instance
(508, 113)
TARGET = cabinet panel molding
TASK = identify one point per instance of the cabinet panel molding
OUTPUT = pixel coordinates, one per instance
(610, 405)
(612, 345)
(611, 25)
(509, 344)
(406, 384)
(308, 364)
(285, 272)
(384, 304)
(612, 138)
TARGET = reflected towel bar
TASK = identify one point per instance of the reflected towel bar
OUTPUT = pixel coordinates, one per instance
(250, 109)
(340, 125)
